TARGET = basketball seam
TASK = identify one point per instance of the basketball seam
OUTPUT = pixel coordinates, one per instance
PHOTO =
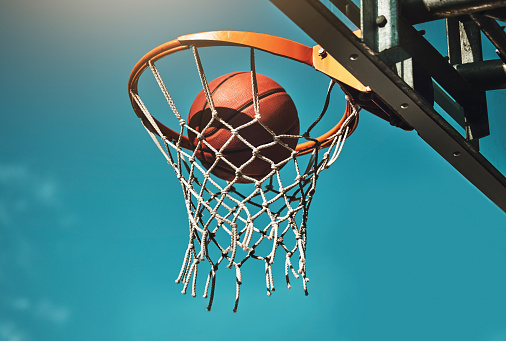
(206, 155)
(245, 106)
(206, 150)
(214, 90)
(205, 104)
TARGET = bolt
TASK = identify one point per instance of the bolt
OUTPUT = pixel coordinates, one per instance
(381, 21)
(322, 53)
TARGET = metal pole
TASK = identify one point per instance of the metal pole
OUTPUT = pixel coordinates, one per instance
(349, 9)
(417, 11)
(497, 14)
(464, 46)
(494, 33)
(484, 75)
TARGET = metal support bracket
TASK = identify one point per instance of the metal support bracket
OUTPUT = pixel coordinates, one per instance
(381, 31)
(364, 63)
(417, 11)
(464, 46)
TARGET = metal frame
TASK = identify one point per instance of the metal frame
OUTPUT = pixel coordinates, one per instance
(464, 47)
(371, 70)
(418, 11)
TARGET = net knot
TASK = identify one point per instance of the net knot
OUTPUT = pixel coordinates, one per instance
(229, 224)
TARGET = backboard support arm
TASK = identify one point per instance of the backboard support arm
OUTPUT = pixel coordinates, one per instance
(365, 64)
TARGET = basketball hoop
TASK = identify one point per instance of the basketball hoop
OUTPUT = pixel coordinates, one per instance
(246, 217)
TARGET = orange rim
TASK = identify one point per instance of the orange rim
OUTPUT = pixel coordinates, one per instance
(272, 44)
(324, 140)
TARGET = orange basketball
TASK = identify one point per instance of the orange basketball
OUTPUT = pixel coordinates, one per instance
(233, 101)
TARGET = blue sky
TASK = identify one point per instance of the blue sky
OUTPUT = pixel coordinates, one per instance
(93, 225)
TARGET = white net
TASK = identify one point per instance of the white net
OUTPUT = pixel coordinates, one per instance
(231, 222)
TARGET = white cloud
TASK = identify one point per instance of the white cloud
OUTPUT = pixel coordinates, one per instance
(47, 192)
(47, 310)
(24, 191)
(12, 172)
(10, 332)
(28, 185)
(21, 303)
(27, 199)
(43, 309)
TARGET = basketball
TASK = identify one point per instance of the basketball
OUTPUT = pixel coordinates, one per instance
(233, 101)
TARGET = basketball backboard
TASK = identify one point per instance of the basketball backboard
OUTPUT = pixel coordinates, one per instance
(439, 82)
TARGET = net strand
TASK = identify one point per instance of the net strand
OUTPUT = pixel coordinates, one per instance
(231, 222)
